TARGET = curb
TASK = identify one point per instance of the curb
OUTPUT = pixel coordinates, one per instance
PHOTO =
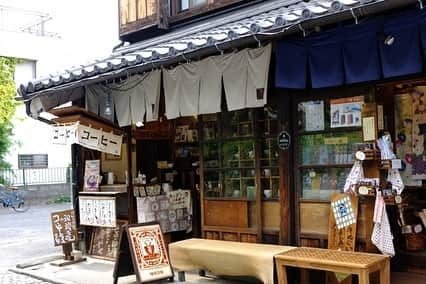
(41, 278)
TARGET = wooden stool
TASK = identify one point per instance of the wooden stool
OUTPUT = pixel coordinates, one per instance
(361, 264)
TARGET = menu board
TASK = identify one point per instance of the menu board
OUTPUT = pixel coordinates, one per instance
(172, 211)
(105, 241)
(149, 253)
(64, 227)
(97, 211)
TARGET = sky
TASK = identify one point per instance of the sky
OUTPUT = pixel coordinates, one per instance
(88, 29)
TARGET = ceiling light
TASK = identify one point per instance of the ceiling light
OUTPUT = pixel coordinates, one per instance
(108, 106)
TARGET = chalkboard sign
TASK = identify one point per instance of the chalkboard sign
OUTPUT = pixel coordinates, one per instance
(104, 243)
(144, 244)
(64, 227)
(283, 140)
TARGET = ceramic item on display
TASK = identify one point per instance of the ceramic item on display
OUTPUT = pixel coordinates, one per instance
(236, 193)
(267, 172)
(267, 193)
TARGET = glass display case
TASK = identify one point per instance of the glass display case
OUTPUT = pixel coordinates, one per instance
(325, 145)
(229, 155)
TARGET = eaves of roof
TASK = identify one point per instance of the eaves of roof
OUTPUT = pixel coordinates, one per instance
(262, 21)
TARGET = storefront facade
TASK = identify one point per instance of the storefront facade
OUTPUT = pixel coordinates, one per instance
(263, 136)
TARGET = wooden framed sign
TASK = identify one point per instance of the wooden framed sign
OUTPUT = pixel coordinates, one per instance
(64, 227)
(144, 245)
(105, 241)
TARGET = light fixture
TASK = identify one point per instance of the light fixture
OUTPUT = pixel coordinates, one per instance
(139, 124)
(108, 105)
(389, 40)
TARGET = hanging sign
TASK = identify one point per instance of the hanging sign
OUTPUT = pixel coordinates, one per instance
(64, 227)
(284, 140)
(87, 136)
(142, 251)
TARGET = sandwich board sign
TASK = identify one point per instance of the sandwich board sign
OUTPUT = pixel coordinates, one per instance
(142, 251)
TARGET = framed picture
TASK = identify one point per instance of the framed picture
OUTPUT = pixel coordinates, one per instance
(111, 157)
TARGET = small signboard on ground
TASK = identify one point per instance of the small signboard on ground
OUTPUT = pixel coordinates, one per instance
(64, 227)
(143, 245)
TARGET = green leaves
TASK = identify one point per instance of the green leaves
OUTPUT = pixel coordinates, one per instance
(7, 104)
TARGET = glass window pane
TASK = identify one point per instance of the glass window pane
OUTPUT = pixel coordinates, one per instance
(212, 184)
(328, 149)
(211, 155)
(184, 4)
(320, 183)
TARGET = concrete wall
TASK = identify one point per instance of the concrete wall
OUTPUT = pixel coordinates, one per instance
(42, 194)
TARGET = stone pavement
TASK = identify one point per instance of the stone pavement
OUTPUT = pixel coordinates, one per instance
(10, 277)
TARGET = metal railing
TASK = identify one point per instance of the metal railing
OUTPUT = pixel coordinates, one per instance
(23, 177)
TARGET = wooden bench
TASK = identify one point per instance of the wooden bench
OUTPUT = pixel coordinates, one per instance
(223, 258)
(361, 264)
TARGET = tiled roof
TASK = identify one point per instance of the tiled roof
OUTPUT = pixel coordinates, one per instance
(259, 19)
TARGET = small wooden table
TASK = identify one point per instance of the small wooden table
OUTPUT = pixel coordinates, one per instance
(361, 264)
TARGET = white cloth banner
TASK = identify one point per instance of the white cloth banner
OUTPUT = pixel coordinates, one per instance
(152, 88)
(196, 87)
(88, 137)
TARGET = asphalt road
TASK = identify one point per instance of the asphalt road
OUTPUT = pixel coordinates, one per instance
(24, 236)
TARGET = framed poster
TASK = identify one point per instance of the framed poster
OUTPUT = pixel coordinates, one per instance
(104, 242)
(97, 211)
(64, 227)
(92, 175)
(346, 112)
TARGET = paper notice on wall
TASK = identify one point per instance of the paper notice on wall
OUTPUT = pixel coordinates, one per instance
(346, 112)
(418, 131)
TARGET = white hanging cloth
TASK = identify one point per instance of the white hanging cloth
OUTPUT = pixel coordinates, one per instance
(258, 74)
(382, 236)
(152, 86)
(235, 79)
(210, 70)
(355, 175)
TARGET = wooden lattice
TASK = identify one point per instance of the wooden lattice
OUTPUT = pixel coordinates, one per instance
(324, 255)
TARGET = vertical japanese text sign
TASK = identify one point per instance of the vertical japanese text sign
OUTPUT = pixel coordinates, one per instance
(64, 227)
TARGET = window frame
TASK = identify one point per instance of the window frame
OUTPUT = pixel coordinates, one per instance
(23, 159)
(176, 14)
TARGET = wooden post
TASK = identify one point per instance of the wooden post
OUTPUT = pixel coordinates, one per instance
(67, 249)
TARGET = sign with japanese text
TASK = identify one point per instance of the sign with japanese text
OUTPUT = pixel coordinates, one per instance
(149, 255)
(64, 227)
(87, 136)
(97, 211)
(105, 241)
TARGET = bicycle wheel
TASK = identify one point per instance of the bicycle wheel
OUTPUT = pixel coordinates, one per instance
(20, 205)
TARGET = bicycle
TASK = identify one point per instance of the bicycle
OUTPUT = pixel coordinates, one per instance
(11, 197)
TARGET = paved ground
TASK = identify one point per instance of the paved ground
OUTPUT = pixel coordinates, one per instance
(24, 236)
